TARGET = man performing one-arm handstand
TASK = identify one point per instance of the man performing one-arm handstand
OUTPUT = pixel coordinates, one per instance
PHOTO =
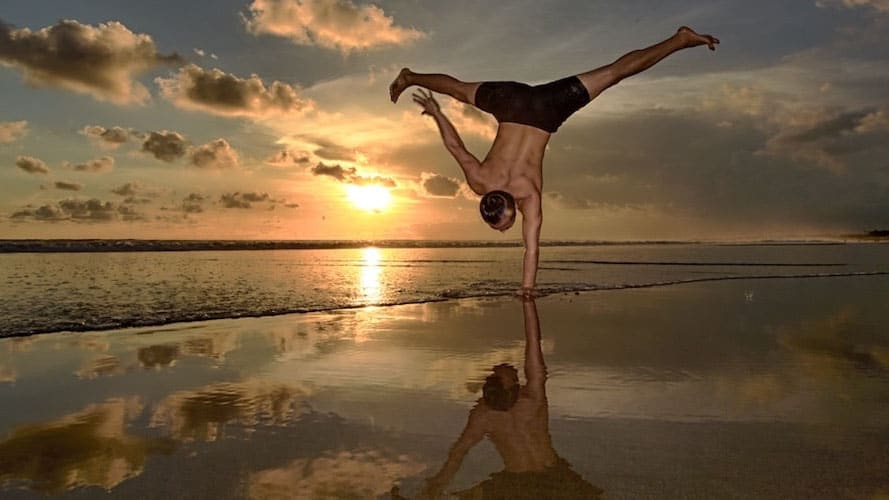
(511, 175)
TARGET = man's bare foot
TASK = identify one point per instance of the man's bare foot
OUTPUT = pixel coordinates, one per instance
(399, 84)
(694, 39)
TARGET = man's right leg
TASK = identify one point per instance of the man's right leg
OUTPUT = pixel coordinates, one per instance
(436, 82)
(638, 61)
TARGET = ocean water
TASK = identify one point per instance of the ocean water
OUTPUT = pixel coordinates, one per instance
(725, 389)
(63, 286)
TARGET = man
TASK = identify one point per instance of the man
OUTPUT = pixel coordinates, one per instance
(511, 175)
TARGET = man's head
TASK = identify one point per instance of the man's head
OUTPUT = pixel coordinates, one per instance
(501, 389)
(498, 210)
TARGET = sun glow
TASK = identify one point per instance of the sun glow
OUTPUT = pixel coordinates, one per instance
(370, 198)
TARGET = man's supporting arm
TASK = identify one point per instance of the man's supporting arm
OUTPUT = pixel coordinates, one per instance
(532, 220)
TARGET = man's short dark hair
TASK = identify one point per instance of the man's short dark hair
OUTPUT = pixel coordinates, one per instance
(496, 395)
(494, 204)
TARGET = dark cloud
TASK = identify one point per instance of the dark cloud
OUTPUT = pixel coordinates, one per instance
(165, 145)
(217, 92)
(287, 158)
(438, 185)
(110, 137)
(350, 175)
(12, 131)
(68, 186)
(103, 164)
(78, 210)
(682, 163)
(215, 154)
(31, 165)
(128, 189)
(833, 141)
(242, 200)
(101, 61)
(193, 203)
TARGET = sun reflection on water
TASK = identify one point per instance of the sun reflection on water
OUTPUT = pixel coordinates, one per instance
(370, 274)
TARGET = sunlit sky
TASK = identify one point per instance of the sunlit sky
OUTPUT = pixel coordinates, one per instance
(270, 118)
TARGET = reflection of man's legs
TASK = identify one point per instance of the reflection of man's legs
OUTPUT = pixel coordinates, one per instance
(637, 61)
(436, 82)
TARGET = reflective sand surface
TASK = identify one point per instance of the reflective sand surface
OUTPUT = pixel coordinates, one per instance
(736, 389)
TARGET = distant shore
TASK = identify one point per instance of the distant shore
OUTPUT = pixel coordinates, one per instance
(152, 245)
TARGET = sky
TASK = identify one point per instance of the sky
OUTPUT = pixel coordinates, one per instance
(270, 119)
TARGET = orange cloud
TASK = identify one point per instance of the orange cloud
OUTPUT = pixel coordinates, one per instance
(12, 131)
(333, 24)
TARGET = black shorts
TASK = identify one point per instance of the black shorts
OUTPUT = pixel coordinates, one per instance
(544, 106)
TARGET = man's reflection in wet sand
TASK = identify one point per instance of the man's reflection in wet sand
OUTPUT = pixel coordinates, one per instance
(515, 418)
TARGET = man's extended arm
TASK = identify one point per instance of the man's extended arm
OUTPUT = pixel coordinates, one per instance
(452, 141)
(532, 220)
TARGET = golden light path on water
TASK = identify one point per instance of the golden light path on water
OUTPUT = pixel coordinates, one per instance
(371, 287)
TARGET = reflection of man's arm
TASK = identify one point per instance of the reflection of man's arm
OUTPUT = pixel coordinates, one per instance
(471, 435)
(535, 367)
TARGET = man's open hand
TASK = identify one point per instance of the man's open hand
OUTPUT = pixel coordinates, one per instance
(426, 101)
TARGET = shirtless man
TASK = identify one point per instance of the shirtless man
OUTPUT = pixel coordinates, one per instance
(516, 420)
(511, 175)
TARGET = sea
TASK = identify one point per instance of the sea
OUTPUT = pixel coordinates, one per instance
(89, 285)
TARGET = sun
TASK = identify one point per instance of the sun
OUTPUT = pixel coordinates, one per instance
(370, 198)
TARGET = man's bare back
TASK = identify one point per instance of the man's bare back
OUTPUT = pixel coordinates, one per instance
(527, 116)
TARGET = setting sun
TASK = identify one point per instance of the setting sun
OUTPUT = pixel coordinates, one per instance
(369, 197)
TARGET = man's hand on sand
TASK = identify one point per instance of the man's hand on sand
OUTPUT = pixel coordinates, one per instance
(427, 102)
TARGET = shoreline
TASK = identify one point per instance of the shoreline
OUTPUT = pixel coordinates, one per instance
(580, 289)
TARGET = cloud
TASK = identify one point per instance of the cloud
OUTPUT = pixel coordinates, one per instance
(78, 210)
(348, 473)
(220, 93)
(215, 154)
(468, 119)
(67, 186)
(108, 137)
(157, 356)
(331, 151)
(212, 412)
(101, 61)
(723, 180)
(333, 24)
(288, 158)
(99, 450)
(165, 145)
(878, 5)
(193, 203)
(103, 164)
(350, 175)
(829, 138)
(12, 131)
(438, 185)
(128, 189)
(242, 200)
(31, 165)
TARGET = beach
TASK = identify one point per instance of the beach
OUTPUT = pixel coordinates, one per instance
(740, 388)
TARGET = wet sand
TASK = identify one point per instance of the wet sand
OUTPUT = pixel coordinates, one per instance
(736, 389)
